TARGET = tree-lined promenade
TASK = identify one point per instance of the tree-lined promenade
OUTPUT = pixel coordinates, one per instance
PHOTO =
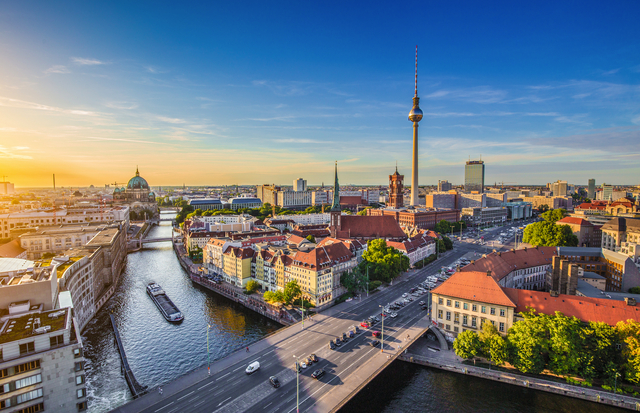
(583, 353)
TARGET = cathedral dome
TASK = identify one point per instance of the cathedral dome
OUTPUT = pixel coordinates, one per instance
(137, 182)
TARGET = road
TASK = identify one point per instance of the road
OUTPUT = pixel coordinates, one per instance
(231, 390)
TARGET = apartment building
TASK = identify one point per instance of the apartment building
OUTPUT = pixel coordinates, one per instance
(42, 364)
(57, 239)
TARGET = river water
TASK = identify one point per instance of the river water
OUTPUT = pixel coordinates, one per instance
(159, 352)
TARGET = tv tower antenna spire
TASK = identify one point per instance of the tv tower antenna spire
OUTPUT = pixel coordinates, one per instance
(416, 92)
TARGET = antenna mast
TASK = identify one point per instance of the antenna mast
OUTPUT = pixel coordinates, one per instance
(416, 92)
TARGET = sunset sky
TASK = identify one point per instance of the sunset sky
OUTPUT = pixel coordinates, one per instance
(211, 93)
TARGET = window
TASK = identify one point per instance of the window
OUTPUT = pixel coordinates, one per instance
(449, 303)
(448, 315)
(80, 379)
(56, 340)
(457, 304)
(448, 327)
(474, 307)
(483, 309)
(5, 388)
(464, 320)
(440, 301)
(5, 403)
(25, 397)
(82, 406)
(473, 321)
(81, 393)
(79, 366)
(21, 368)
(27, 348)
(501, 327)
(465, 306)
(455, 328)
(439, 313)
(32, 409)
(493, 311)
(28, 381)
(456, 318)
(502, 312)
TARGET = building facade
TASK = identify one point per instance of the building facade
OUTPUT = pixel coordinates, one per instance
(474, 176)
(396, 190)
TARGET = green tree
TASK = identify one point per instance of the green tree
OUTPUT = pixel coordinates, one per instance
(543, 208)
(548, 234)
(443, 227)
(554, 215)
(528, 343)
(600, 342)
(629, 333)
(634, 290)
(364, 212)
(354, 281)
(274, 297)
(567, 355)
(252, 286)
(311, 238)
(467, 345)
(15, 201)
(291, 291)
(384, 263)
(497, 349)
(448, 244)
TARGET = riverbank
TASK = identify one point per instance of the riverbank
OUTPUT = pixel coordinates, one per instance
(424, 354)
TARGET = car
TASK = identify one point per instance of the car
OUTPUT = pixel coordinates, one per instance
(253, 367)
(303, 364)
(332, 346)
(374, 343)
(410, 298)
(404, 295)
(297, 367)
(337, 342)
(345, 338)
(274, 381)
(314, 357)
(351, 334)
(317, 374)
(375, 334)
(421, 302)
(393, 315)
(365, 324)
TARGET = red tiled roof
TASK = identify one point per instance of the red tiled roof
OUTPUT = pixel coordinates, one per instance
(474, 286)
(295, 239)
(502, 263)
(356, 226)
(351, 200)
(592, 205)
(575, 221)
(11, 249)
(323, 257)
(585, 308)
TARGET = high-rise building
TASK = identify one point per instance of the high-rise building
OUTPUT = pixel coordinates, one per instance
(415, 116)
(591, 192)
(444, 186)
(299, 185)
(396, 190)
(559, 188)
(607, 192)
(474, 176)
(6, 188)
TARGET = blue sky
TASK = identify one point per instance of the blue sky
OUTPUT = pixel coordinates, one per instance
(253, 92)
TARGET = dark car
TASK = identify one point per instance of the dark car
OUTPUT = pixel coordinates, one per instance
(317, 374)
(345, 338)
(331, 345)
(314, 357)
(274, 381)
(374, 343)
(309, 361)
(337, 341)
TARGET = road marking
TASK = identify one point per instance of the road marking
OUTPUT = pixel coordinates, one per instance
(224, 401)
(208, 384)
(267, 405)
(166, 405)
(238, 368)
(223, 376)
(198, 404)
(186, 395)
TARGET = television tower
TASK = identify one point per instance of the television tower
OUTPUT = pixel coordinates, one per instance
(415, 116)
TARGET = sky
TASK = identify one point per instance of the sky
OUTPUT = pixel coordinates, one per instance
(223, 93)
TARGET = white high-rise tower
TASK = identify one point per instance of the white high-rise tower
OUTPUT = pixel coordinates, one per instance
(415, 116)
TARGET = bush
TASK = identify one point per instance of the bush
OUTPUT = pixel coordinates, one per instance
(634, 290)
(373, 285)
(342, 298)
(252, 286)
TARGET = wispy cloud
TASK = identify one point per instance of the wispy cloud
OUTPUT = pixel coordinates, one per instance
(10, 154)
(479, 94)
(611, 72)
(171, 120)
(274, 118)
(16, 103)
(291, 88)
(95, 138)
(87, 61)
(122, 105)
(57, 69)
(297, 140)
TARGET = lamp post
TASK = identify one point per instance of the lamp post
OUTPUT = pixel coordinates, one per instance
(616, 383)
(297, 365)
(208, 357)
(302, 311)
(382, 336)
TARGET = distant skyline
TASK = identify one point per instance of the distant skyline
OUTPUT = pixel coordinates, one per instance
(253, 93)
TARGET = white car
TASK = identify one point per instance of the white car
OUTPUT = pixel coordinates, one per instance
(303, 364)
(404, 295)
(393, 315)
(253, 367)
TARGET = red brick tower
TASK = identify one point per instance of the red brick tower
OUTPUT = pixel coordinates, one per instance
(396, 189)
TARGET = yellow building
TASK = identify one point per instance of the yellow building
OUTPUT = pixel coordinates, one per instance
(468, 299)
(237, 265)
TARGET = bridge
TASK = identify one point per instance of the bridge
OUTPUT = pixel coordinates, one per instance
(347, 369)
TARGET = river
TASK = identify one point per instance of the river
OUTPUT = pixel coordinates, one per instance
(159, 352)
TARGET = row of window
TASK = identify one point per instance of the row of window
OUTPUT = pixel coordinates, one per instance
(456, 329)
(20, 368)
(21, 398)
(18, 384)
(474, 307)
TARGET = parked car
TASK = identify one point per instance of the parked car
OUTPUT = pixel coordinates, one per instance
(331, 345)
(374, 343)
(337, 342)
(274, 381)
(375, 334)
(365, 324)
(421, 302)
(303, 364)
(253, 367)
(393, 315)
(351, 334)
(344, 337)
(314, 357)
(317, 374)
(308, 361)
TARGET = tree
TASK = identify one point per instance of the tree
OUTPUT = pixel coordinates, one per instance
(600, 342)
(567, 355)
(252, 286)
(354, 281)
(443, 227)
(548, 234)
(291, 291)
(629, 333)
(467, 345)
(497, 349)
(274, 297)
(311, 238)
(554, 215)
(528, 344)
(15, 201)
(364, 212)
(384, 263)
(448, 244)
(543, 208)
(634, 290)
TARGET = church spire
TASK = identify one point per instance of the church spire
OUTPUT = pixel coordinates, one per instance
(335, 206)
(137, 173)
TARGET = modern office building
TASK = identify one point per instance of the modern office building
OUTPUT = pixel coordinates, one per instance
(299, 185)
(607, 192)
(205, 204)
(6, 188)
(444, 186)
(559, 188)
(591, 191)
(474, 176)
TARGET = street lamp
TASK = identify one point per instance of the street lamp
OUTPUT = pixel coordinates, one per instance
(208, 357)
(297, 365)
(382, 337)
(302, 311)
(616, 383)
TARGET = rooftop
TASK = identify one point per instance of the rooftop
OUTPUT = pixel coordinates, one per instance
(474, 286)
(502, 263)
(15, 264)
(22, 327)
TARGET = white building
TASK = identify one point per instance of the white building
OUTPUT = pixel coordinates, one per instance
(293, 199)
(307, 219)
(299, 185)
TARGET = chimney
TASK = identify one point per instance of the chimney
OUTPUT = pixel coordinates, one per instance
(553, 293)
(489, 273)
(525, 248)
(630, 301)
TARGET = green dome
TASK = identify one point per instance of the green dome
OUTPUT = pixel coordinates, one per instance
(137, 182)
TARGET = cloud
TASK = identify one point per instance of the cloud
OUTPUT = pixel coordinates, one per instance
(15, 103)
(479, 94)
(296, 140)
(171, 120)
(121, 105)
(57, 69)
(94, 138)
(613, 140)
(292, 88)
(6, 153)
(276, 118)
(611, 72)
(87, 61)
